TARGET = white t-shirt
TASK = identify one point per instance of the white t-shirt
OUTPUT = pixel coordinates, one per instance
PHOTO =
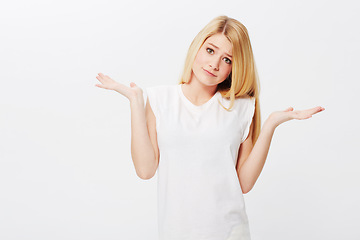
(199, 193)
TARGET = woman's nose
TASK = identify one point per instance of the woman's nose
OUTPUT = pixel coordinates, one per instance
(214, 64)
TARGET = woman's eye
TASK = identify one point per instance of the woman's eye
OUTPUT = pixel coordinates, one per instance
(228, 61)
(209, 50)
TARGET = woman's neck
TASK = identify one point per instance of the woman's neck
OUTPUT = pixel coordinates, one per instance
(197, 92)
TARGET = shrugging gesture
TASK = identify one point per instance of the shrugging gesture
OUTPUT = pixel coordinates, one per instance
(195, 162)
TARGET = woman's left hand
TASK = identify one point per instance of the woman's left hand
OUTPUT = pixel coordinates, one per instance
(279, 117)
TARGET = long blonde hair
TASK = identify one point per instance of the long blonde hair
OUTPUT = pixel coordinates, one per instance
(243, 81)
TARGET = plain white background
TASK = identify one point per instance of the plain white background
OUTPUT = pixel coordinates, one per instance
(65, 163)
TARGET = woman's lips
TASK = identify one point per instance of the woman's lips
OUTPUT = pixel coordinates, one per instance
(210, 73)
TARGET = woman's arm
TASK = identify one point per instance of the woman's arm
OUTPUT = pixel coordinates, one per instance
(142, 151)
(250, 169)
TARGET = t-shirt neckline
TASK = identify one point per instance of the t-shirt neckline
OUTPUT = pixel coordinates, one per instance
(193, 106)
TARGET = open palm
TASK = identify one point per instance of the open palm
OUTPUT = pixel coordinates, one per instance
(131, 92)
(279, 117)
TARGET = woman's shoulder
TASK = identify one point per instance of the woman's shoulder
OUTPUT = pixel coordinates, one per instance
(162, 88)
(162, 92)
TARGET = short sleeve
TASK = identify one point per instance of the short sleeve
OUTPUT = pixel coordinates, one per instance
(151, 94)
(249, 113)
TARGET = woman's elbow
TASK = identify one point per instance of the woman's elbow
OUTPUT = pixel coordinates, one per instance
(145, 175)
(245, 189)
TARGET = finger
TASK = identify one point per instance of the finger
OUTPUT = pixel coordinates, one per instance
(104, 87)
(102, 76)
(321, 108)
(100, 86)
(316, 110)
(288, 109)
(100, 79)
(308, 113)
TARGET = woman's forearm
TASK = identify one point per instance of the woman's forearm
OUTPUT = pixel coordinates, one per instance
(252, 167)
(142, 151)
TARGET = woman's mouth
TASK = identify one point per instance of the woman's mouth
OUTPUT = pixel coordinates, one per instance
(209, 73)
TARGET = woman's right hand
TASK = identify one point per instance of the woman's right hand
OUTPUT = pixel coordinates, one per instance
(132, 92)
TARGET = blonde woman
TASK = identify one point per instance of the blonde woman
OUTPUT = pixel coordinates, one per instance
(202, 136)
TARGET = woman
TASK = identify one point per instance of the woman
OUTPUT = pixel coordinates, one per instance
(203, 136)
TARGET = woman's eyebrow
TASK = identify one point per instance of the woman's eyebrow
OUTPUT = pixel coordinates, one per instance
(218, 48)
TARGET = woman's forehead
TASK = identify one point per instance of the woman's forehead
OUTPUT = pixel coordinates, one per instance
(220, 41)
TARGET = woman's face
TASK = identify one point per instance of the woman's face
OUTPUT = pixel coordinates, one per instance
(212, 64)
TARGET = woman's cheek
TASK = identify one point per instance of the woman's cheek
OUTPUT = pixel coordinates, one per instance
(227, 68)
(201, 58)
